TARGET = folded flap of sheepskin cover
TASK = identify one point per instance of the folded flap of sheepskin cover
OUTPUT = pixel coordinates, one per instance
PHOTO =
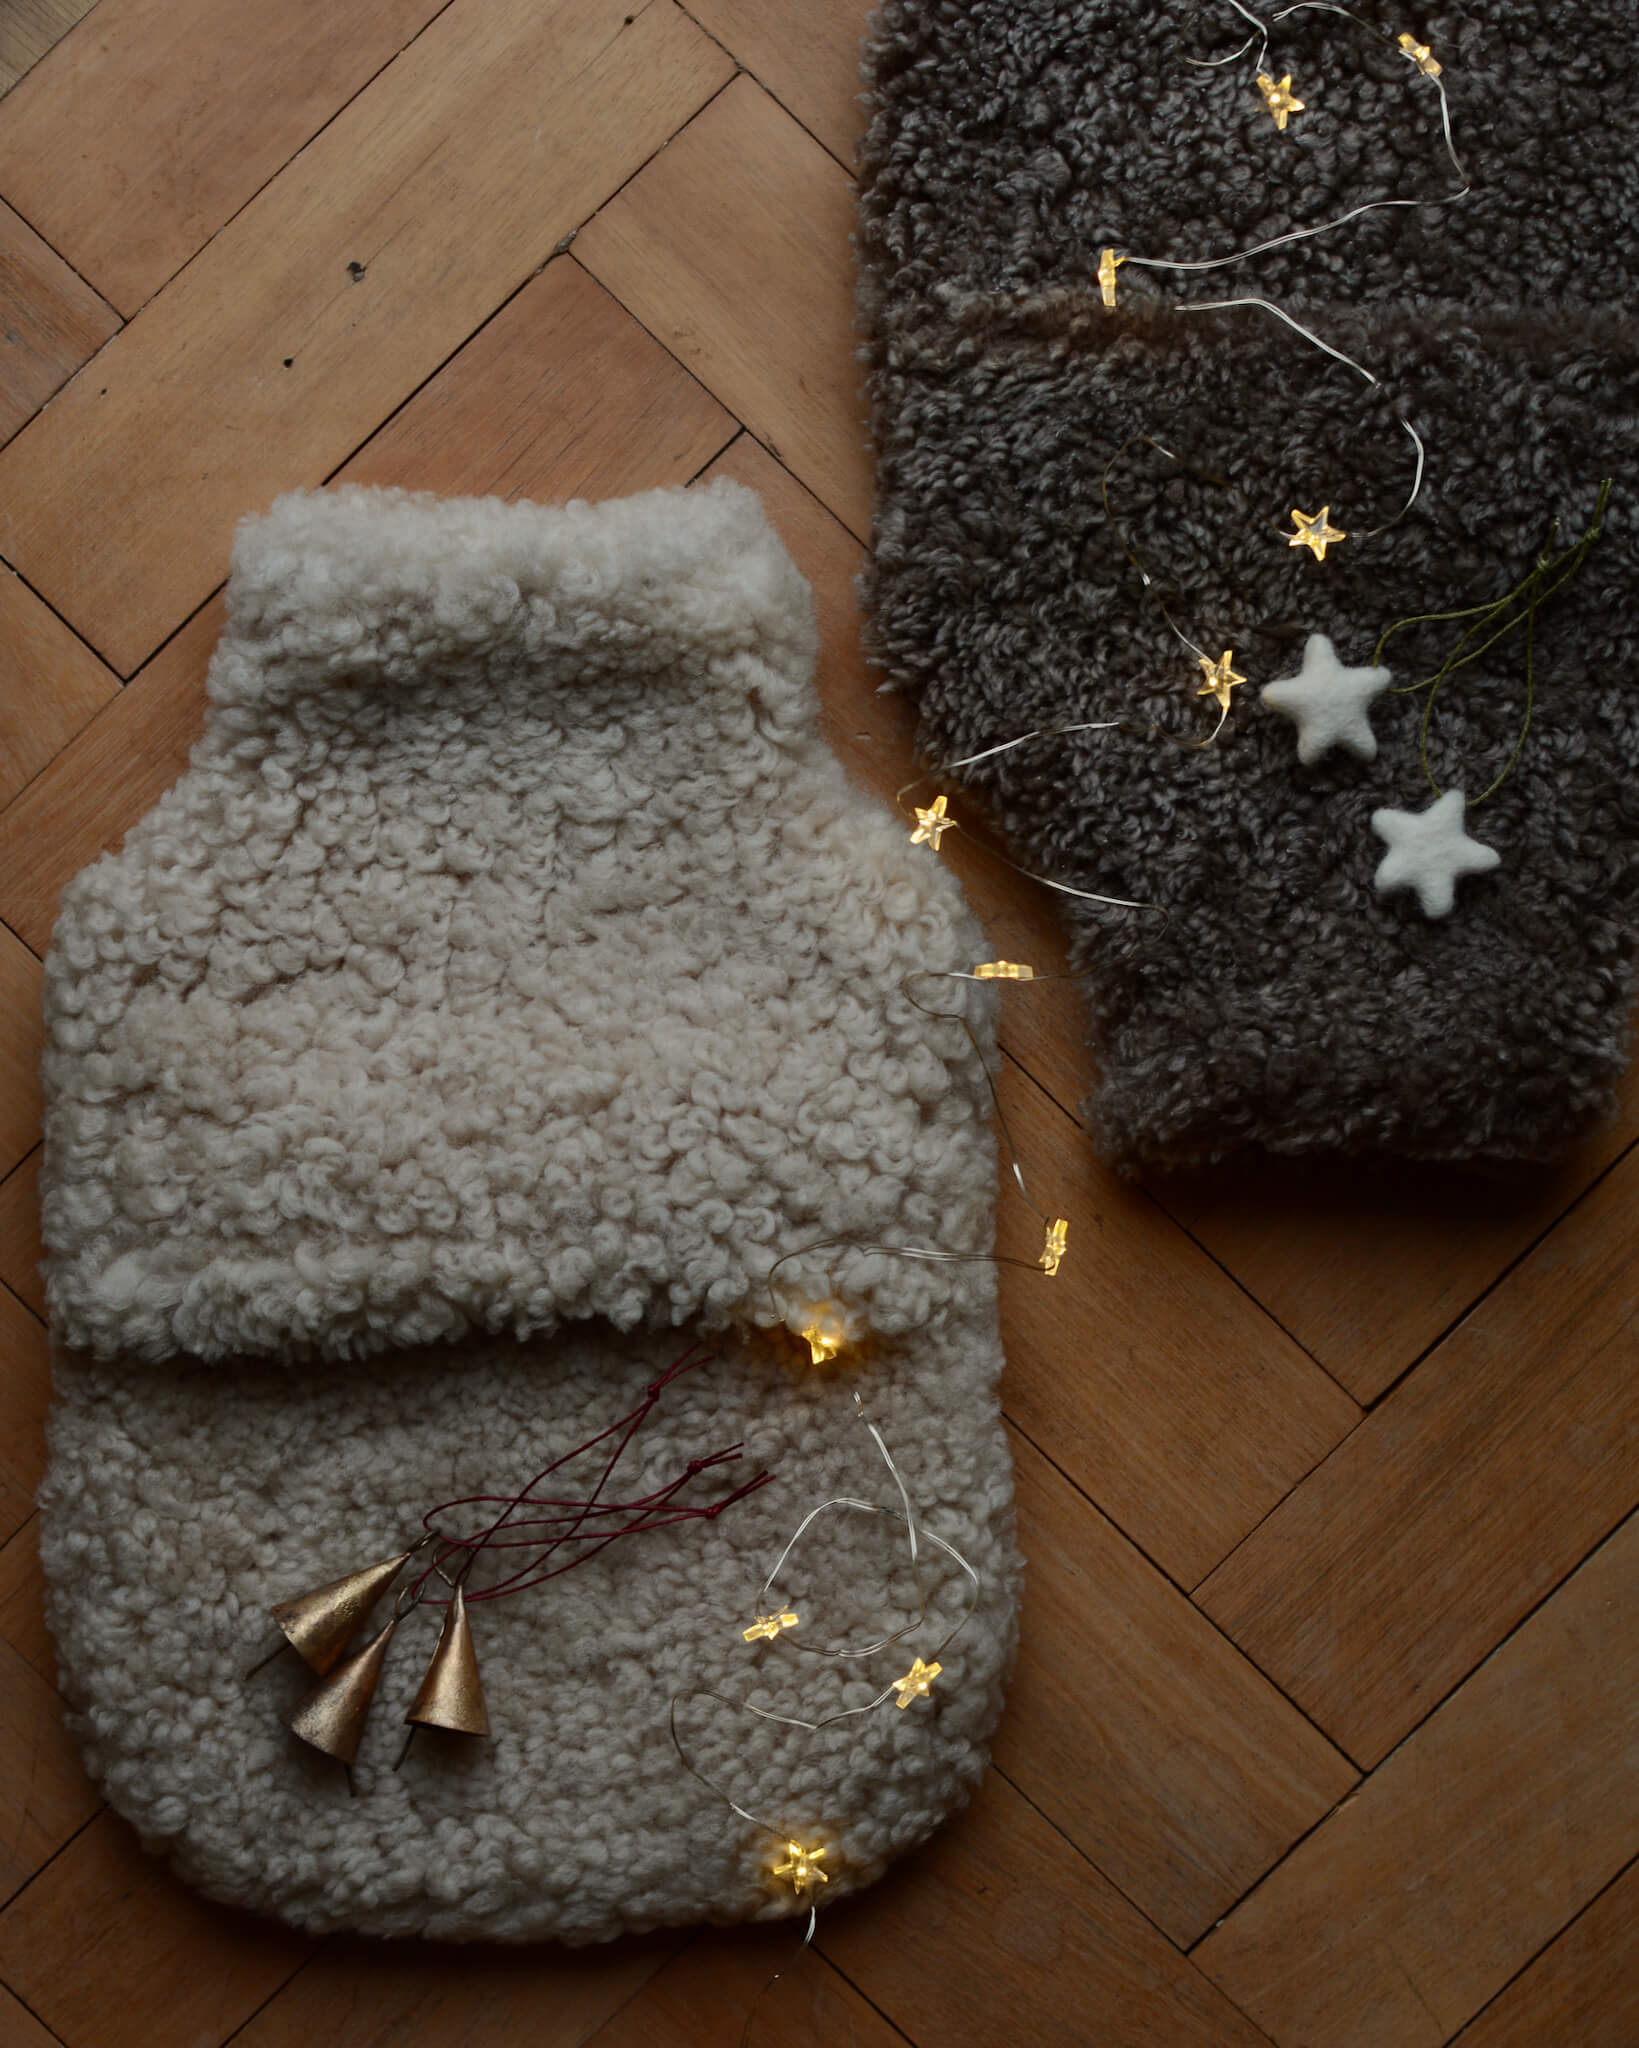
(1284, 1003)
(512, 950)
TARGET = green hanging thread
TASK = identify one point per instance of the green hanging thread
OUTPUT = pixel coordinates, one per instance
(1549, 574)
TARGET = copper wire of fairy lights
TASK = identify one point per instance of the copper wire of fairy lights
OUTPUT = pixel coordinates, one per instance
(803, 1867)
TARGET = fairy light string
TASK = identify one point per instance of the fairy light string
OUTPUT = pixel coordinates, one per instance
(802, 1868)
(1418, 55)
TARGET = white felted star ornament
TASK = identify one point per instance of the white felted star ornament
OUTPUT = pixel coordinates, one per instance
(1428, 850)
(1327, 703)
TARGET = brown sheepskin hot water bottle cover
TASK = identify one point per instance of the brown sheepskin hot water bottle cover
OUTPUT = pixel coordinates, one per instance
(463, 1090)
(1398, 884)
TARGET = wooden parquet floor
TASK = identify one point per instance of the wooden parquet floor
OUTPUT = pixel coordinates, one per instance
(1325, 1731)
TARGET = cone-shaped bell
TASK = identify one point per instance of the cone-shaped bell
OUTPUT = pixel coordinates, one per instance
(451, 1694)
(332, 1716)
(320, 1625)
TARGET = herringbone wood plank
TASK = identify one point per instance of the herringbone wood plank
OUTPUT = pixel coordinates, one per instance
(1468, 1494)
(106, 1946)
(51, 687)
(1368, 1265)
(29, 28)
(126, 154)
(416, 1996)
(1583, 1988)
(264, 365)
(19, 2028)
(1469, 1848)
(807, 57)
(684, 2004)
(20, 1249)
(45, 1796)
(1160, 1751)
(50, 322)
(732, 247)
(1148, 1374)
(24, 1392)
(1000, 1932)
(22, 1601)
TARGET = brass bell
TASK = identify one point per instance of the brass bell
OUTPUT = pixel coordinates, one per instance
(452, 1695)
(333, 1714)
(321, 1624)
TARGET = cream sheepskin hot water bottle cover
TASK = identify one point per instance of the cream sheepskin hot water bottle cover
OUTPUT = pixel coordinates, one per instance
(510, 986)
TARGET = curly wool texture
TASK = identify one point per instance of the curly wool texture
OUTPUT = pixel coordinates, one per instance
(513, 950)
(511, 979)
(1283, 1004)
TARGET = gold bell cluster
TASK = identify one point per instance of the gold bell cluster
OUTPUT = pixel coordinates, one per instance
(320, 1626)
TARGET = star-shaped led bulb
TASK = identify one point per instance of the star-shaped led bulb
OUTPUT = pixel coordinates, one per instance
(917, 1682)
(1221, 677)
(1279, 99)
(1108, 264)
(802, 1868)
(767, 1626)
(1315, 531)
(931, 824)
(1052, 1251)
(1420, 55)
(823, 1336)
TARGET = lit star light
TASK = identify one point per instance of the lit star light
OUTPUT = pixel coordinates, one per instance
(802, 1867)
(767, 1626)
(1108, 264)
(1003, 970)
(1314, 531)
(1420, 55)
(824, 1340)
(1221, 677)
(1058, 1232)
(917, 1682)
(1279, 98)
(931, 824)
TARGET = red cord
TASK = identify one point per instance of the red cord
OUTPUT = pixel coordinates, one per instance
(657, 1510)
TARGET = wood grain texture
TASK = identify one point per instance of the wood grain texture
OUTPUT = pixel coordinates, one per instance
(51, 321)
(22, 1601)
(1158, 1385)
(806, 56)
(265, 365)
(29, 28)
(19, 2028)
(1583, 1989)
(732, 247)
(1161, 1389)
(1460, 1501)
(721, 1983)
(19, 1050)
(20, 1247)
(51, 686)
(44, 1795)
(1369, 1263)
(417, 1995)
(562, 395)
(98, 787)
(1173, 1764)
(25, 1394)
(127, 155)
(107, 1947)
(999, 1932)
(1469, 1849)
